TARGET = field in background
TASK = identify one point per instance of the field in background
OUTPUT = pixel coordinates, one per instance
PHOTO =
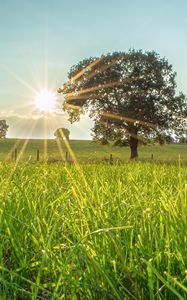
(87, 151)
(83, 232)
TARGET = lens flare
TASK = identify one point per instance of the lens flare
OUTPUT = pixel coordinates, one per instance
(46, 101)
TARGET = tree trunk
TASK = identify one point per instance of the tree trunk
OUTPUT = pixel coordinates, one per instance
(134, 145)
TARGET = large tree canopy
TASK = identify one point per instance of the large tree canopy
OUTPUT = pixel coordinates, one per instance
(3, 129)
(130, 95)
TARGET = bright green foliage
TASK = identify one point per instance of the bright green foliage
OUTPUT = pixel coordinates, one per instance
(93, 231)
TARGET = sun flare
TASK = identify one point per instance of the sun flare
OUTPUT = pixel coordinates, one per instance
(45, 100)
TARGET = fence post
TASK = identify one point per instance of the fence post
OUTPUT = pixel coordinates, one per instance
(66, 156)
(15, 154)
(111, 159)
(152, 156)
(37, 155)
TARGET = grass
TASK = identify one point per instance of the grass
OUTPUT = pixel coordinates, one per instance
(87, 151)
(93, 231)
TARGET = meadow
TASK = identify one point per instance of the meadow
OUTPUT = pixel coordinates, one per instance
(86, 151)
(93, 230)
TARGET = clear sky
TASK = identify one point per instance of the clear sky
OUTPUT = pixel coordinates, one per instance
(40, 40)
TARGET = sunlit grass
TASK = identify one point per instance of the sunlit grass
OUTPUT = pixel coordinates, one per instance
(88, 151)
(123, 237)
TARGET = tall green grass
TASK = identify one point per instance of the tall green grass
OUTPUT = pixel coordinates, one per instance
(93, 231)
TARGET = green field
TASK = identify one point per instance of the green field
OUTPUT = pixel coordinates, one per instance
(86, 151)
(93, 231)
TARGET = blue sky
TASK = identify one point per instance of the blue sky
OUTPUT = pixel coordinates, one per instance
(40, 41)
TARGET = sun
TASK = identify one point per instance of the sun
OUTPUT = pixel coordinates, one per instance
(46, 101)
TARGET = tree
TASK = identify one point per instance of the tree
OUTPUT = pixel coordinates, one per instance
(62, 133)
(129, 95)
(164, 139)
(183, 140)
(3, 129)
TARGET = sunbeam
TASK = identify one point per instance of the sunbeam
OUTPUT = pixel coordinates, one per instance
(73, 158)
(45, 140)
(26, 132)
(18, 78)
(71, 106)
(21, 151)
(79, 74)
(99, 87)
(131, 120)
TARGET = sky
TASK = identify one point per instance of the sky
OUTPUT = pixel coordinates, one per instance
(41, 39)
